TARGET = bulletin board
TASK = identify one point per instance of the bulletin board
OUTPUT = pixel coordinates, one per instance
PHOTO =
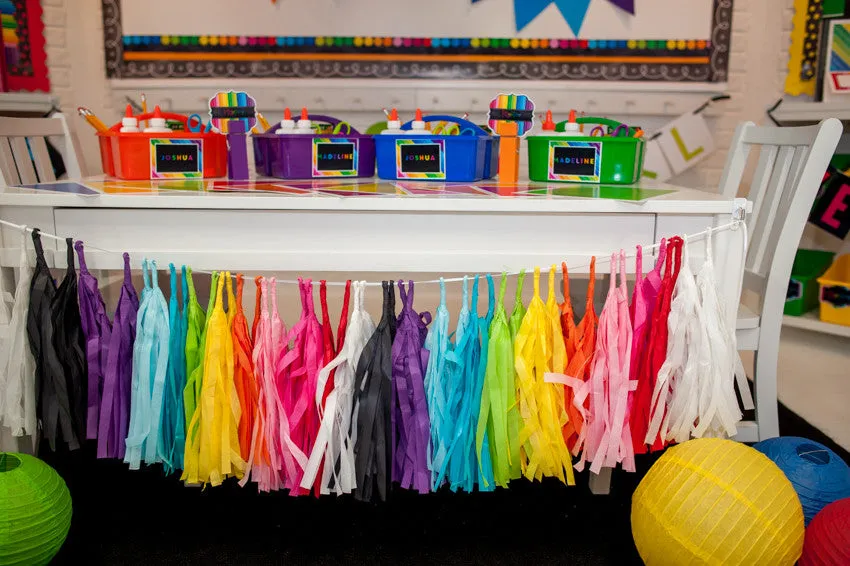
(604, 40)
(22, 46)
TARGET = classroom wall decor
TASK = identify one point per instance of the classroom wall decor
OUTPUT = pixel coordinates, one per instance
(605, 40)
(23, 46)
(818, 59)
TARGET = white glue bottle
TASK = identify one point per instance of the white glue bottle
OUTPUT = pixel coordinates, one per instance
(418, 126)
(158, 125)
(394, 124)
(571, 128)
(129, 123)
(305, 125)
(287, 125)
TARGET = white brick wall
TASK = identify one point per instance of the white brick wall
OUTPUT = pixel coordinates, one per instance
(759, 54)
(757, 68)
(73, 32)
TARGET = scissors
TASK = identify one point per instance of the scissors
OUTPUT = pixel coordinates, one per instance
(339, 127)
(198, 126)
(621, 128)
(599, 131)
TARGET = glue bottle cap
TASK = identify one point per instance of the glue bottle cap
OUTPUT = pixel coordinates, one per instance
(129, 121)
(393, 123)
(572, 125)
(418, 122)
(304, 114)
(548, 124)
(287, 123)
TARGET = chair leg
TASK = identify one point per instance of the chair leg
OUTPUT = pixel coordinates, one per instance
(767, 400)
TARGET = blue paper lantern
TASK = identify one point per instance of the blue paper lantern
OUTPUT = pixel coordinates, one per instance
(818, 474)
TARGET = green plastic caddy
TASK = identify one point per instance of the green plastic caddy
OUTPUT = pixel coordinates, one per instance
(613, 158)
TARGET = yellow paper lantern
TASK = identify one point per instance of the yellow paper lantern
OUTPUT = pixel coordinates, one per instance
(716, 501)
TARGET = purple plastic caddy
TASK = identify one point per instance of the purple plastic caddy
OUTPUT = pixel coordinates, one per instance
(315, 156)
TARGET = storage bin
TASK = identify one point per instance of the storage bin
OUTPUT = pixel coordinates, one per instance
(302, 156)
(803, 288)
(835, 292)
(608, 159)
(470, 156)
(128, 156)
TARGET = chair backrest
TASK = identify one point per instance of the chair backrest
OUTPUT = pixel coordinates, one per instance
(23, 150)
(788, 174)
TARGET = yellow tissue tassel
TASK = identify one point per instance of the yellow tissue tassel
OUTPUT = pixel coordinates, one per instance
(539, 349)
(231, 461)
(218, 433)
(198, 329)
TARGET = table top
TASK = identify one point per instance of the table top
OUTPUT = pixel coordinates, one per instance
(369, 194)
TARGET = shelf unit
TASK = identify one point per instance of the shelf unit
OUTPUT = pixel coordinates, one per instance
(792, 112)
(810, 321)
(12, 103)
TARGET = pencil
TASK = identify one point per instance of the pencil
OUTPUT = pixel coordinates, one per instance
(263, 122)
(93, 120)
(145, 107)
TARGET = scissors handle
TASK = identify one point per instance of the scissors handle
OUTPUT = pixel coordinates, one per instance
(614, 126)
(621, 128)
(197, 126)
(597, 132)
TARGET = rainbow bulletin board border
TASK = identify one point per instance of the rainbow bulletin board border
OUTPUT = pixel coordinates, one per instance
(675, 59)
(23, 45)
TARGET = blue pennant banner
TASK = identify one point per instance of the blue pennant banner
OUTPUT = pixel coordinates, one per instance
(573, 11)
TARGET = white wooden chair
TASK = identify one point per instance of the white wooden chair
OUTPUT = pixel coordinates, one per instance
(789, 172)
(23, 150)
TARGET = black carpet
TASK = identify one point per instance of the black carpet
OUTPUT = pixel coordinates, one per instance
(124, 517)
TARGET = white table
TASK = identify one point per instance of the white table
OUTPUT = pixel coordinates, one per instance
(317, 231)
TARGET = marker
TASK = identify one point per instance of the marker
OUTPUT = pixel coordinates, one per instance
(508, 152)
